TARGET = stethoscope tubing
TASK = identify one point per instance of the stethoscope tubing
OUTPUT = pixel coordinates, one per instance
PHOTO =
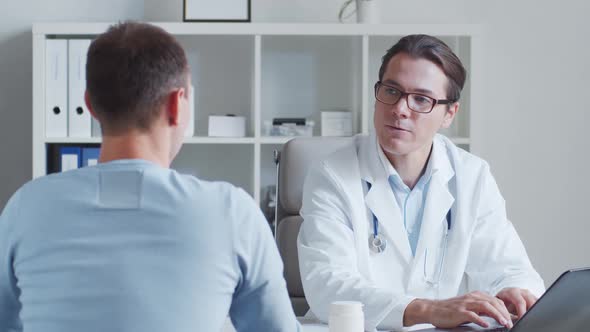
(376, 236)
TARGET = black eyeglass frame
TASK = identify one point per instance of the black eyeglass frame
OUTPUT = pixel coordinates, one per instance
(406, 94)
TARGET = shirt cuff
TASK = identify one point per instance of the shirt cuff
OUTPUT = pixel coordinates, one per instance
(534, 285)
(395, 317)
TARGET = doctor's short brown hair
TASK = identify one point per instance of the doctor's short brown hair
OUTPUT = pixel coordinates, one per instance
(435, 50)
(130, 70)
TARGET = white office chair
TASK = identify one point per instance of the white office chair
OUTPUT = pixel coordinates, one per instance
(292, 165)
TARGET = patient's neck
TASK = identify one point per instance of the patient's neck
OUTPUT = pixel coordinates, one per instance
(135, 144)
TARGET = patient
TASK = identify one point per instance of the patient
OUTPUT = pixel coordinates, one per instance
(129, 244)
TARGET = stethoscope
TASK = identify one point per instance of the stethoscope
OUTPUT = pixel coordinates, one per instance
(378, 244)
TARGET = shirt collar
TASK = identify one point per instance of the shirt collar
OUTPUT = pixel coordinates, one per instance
(394, 177)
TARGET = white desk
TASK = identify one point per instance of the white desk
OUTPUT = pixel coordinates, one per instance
(312, 326)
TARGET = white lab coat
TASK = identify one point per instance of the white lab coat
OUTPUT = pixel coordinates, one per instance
(483, 251)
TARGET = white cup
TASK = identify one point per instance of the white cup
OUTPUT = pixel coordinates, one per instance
(367, 11)
(346, 316)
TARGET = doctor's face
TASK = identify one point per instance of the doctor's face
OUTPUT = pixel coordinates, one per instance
(400, 130)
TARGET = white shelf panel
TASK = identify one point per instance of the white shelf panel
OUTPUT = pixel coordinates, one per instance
(188, 140)
(308, 29)
(219, 140)
(276, 139)
(460, 140)
(72, 140)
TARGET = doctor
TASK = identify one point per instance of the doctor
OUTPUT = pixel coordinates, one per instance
(406, 222)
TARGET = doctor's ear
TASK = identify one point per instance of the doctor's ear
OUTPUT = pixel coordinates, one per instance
(450, 115)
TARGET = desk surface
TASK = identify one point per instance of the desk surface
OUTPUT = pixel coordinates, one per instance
(313, 326)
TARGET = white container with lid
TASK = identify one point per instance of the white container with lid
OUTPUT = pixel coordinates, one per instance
(346, 316)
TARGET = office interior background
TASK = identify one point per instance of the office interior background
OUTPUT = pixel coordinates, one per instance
(534, 76)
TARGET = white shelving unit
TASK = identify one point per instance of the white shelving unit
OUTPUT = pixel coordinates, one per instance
(261, 71)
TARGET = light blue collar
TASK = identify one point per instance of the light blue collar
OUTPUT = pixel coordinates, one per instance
(394, 177)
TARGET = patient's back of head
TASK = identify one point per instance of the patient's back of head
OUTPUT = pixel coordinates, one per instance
(131, 70)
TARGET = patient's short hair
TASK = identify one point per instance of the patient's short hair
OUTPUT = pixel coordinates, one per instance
(130, 70)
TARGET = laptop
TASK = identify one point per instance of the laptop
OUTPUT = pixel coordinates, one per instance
(565, 307)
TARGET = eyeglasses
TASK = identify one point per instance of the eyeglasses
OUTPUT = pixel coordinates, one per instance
(416, 102)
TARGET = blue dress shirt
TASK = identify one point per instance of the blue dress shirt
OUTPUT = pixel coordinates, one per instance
(410, 201)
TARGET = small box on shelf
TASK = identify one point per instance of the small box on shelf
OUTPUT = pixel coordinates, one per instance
(289, 127)
(227, 126)
(336, 123)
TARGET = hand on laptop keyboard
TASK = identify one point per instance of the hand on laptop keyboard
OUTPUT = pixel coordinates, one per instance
(471, 307)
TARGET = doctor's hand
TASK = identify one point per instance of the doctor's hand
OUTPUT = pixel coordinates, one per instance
(457, 310)
(517, 300)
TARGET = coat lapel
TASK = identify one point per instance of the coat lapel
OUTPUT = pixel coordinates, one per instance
(439, 201)
(381, 202)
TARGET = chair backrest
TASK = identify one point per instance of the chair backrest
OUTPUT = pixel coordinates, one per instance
(293, 163)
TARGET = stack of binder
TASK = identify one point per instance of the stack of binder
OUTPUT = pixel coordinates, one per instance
(66, 114)
(67, 157)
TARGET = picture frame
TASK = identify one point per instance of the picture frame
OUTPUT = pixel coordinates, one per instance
(217, 10)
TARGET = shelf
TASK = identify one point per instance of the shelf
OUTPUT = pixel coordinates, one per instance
(187, 140)
(263, 71)
(317, 29)
(303, 75)
(276, 139)
(215, 140)
(73, 140)
(219, 140)
(216, 94)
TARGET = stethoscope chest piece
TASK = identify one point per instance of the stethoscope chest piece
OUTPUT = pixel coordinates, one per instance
(377, 243)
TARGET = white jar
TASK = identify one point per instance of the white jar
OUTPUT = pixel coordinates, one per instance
(346, 316)
(368, 11)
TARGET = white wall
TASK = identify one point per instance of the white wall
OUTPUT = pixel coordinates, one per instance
(536, 80)
(16, 19)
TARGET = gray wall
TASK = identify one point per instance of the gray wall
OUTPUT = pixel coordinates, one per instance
(535, 77)
(16, 19)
